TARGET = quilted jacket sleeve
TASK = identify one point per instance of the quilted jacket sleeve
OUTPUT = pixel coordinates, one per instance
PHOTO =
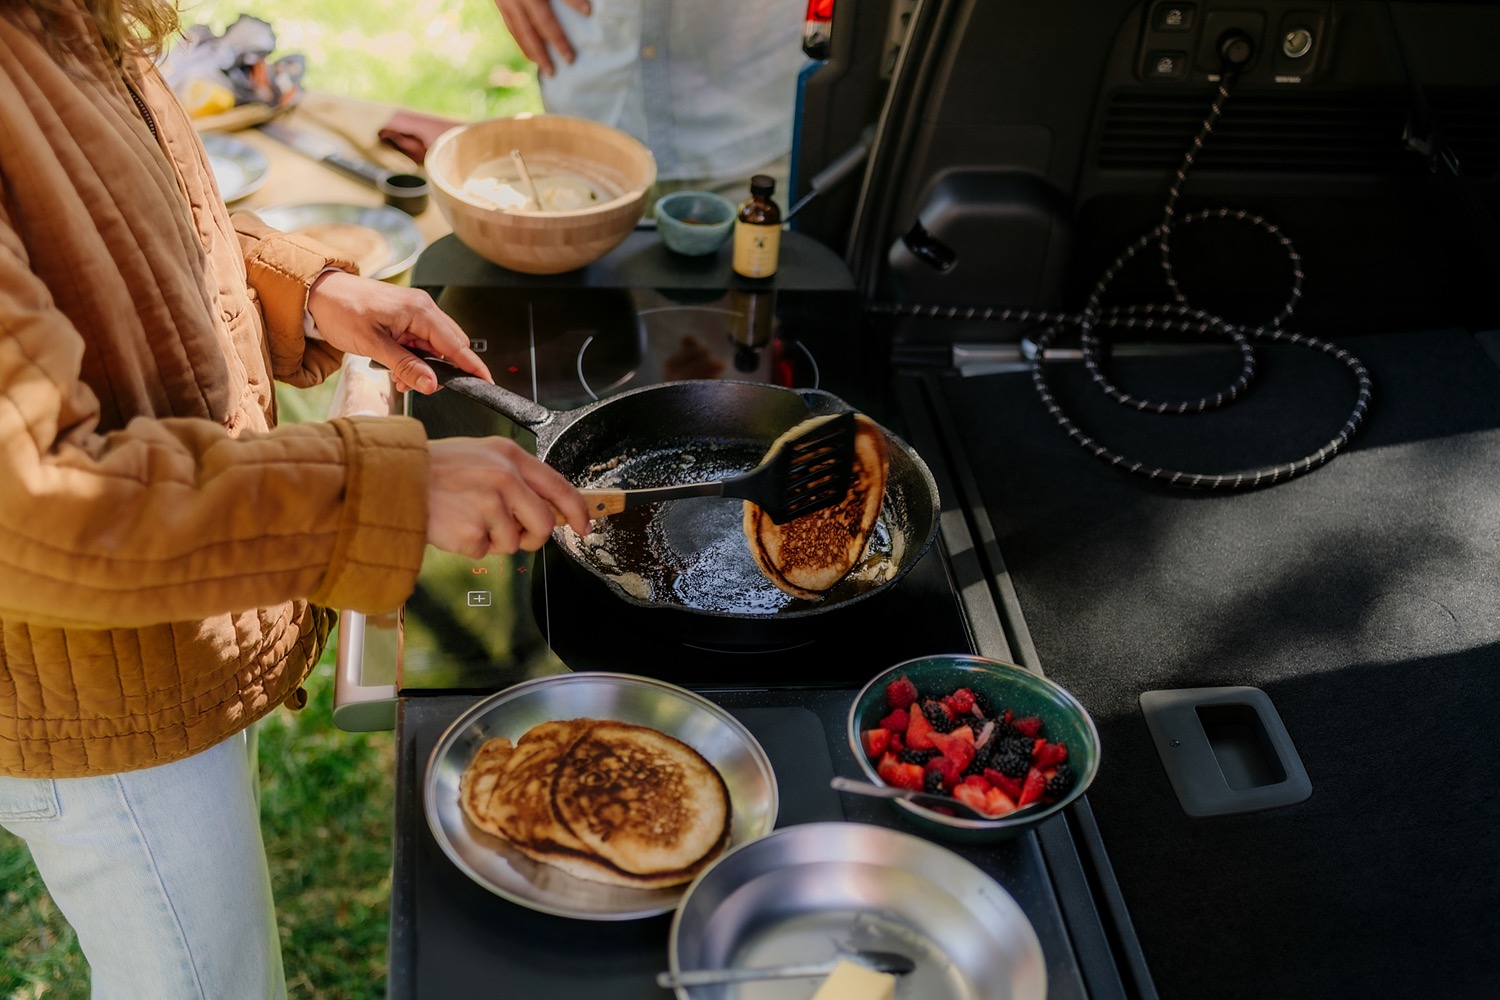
(173, 519)
(280, 268)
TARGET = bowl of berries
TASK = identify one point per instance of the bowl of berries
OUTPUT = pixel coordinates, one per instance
(1008, 746)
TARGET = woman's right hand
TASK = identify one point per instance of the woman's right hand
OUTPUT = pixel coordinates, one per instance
(489, 495)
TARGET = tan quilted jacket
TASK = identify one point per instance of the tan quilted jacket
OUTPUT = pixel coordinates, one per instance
(166, 557)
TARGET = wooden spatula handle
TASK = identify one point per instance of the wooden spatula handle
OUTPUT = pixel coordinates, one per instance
(602, 503)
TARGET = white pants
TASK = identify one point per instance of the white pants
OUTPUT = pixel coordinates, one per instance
(161, 872)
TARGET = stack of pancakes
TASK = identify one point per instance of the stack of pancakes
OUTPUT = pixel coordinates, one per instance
(606, 801)
(808, 555)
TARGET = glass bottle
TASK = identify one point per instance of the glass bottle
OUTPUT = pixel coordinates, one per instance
(757, 231)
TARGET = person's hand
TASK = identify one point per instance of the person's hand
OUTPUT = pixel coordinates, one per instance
(390, 324)
(490, 495)
(534, 27)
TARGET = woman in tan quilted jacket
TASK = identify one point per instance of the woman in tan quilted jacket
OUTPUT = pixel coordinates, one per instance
(167, 554)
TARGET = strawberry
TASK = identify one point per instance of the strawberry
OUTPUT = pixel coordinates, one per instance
(897, 721)
(1047, 755)
(1032, 787)
(900, 693)
(975, 781)
(971, 795)
(997, 803)
(1010, 786)
(875, 742)
(955, 748)
(1029, 725)
(894, 772)
(919, 731)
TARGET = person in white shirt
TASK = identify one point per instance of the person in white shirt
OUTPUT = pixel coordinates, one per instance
(709, 85)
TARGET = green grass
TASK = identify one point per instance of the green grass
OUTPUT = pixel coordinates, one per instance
(326, 807)
(449, 57)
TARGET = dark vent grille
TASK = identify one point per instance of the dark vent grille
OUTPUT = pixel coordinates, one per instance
(1291, 134)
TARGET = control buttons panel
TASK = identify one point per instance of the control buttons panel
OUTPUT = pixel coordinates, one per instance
(1276, 42)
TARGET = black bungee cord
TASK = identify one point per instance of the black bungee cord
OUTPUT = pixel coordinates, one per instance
(1179, 316)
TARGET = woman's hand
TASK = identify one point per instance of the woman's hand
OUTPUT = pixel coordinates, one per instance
(490, 495)
(390, 324)
(534, 27)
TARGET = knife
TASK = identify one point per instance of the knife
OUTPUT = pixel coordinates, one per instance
(405, 191)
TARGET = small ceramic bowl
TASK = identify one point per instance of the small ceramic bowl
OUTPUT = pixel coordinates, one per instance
(695, 223)
(1001, 686)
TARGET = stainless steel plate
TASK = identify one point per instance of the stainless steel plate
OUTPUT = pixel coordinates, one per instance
(807, 893)
(239, 168)
(701, 724)
(400, 232)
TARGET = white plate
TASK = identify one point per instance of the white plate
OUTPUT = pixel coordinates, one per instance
(698, 722)
(239, 168)
(400, 232)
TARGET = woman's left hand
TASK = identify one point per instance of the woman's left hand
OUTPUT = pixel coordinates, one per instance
(390, 324)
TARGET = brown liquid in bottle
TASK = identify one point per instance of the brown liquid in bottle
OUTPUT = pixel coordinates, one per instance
(757, 231)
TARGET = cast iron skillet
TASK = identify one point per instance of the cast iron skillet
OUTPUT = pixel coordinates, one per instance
(691, 554)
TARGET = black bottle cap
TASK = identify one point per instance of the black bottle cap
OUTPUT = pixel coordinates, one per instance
(762, 186)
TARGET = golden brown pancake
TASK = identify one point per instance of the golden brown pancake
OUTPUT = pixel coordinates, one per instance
(641, 800)
(520, 805)
(605, 801)
(365, 246)
(808, 555)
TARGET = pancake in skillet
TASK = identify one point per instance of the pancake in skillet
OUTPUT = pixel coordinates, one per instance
(808, 555)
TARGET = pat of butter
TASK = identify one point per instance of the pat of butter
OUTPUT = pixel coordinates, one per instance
(850, 981)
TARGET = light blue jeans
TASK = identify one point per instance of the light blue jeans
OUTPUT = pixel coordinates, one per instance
(162, 873)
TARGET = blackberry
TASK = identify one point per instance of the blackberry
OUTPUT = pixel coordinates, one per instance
(1060, 783)
(911, 756)
(977, 765)
(932, 781)
(1012, 764)
(1018, 744)
(937, 716)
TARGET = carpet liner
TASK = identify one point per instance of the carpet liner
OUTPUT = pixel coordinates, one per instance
(1363, 598)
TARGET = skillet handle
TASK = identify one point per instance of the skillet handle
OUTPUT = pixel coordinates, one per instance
(518, 408)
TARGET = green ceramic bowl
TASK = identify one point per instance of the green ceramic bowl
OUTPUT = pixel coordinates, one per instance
(1003, 685)
(694, 223)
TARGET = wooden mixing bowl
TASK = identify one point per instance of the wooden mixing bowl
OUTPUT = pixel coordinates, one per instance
(534, 242)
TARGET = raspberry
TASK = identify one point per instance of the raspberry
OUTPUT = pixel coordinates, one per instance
(1031, 725)
(897, 721)
(961, 701)
(900, 693)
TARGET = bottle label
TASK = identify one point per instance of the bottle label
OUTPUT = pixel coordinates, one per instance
(756, 249)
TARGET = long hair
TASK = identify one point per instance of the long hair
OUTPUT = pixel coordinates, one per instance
(139, 26)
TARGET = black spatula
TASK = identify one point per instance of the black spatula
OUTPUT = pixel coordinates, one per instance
(809, 468)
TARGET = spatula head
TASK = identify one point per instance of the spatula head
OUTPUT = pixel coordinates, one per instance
(811, 467)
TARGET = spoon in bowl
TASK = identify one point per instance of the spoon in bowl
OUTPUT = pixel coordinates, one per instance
(531, 191)
(928, 799)
(880, 961)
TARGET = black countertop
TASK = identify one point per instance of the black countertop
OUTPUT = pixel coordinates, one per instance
(450, 937)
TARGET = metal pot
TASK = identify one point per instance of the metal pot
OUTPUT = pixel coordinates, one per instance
(691, 555)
